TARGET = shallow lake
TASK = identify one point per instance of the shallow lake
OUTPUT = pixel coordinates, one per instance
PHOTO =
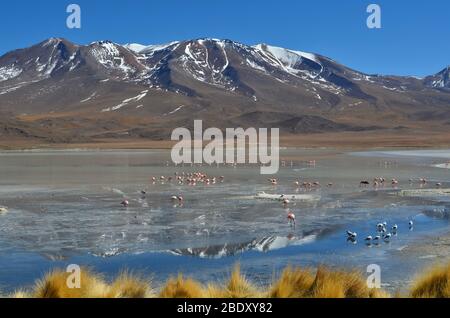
(64, 208)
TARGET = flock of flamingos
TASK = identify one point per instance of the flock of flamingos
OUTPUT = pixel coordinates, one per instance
(200, 178)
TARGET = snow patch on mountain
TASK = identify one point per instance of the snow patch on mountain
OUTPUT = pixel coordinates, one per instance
(126, 102)
(89, 98)
(142, 49)
(135, 47)
(438, 83)
(298, 64)
(207, 67)
(10, 89)
(174, 111)
(9, 72)
(288, 58)
(105, 52)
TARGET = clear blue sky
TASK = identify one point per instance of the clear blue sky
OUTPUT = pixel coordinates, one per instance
(414, 39)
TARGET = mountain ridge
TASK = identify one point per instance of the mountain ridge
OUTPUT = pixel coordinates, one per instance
(83, 92)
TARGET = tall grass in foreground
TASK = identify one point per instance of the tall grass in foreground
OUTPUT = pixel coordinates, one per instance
(291, 283)
(435, 283)
(324, 283)
(54, 285)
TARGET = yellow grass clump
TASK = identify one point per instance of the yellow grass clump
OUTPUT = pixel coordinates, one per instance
(339, 284)
(238, 286)
(127, 285)
(435, 283)
(182, 288)
(20, 294)
(325, 283)
(54, 285)
(292, 283)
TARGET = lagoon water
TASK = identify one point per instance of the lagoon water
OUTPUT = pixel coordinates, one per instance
(64, 208)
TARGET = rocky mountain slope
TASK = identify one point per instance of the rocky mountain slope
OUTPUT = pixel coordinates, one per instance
(63, 92)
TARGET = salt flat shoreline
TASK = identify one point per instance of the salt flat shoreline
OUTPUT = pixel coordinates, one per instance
(158, 147)
(390, 139)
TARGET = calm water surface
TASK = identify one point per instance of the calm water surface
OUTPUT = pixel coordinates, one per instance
(64, 208)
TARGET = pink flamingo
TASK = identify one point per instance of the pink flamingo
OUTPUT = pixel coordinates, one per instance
(291, 218)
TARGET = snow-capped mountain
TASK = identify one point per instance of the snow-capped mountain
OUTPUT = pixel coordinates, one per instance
(440, 80)
(157, 87)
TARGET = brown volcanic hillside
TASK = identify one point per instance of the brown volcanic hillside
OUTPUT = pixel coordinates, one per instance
(57, 91)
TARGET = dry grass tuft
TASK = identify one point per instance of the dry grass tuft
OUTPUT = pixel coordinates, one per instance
(214, 291)
(239, 286)
(341, 284)
(293, 283)
(54, 285)
(20, 294)
(435, 283)
(182, 288)
(128, 285)
(326, 283)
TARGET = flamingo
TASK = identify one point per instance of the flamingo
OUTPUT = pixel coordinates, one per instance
(364, 183)
(291, 218)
